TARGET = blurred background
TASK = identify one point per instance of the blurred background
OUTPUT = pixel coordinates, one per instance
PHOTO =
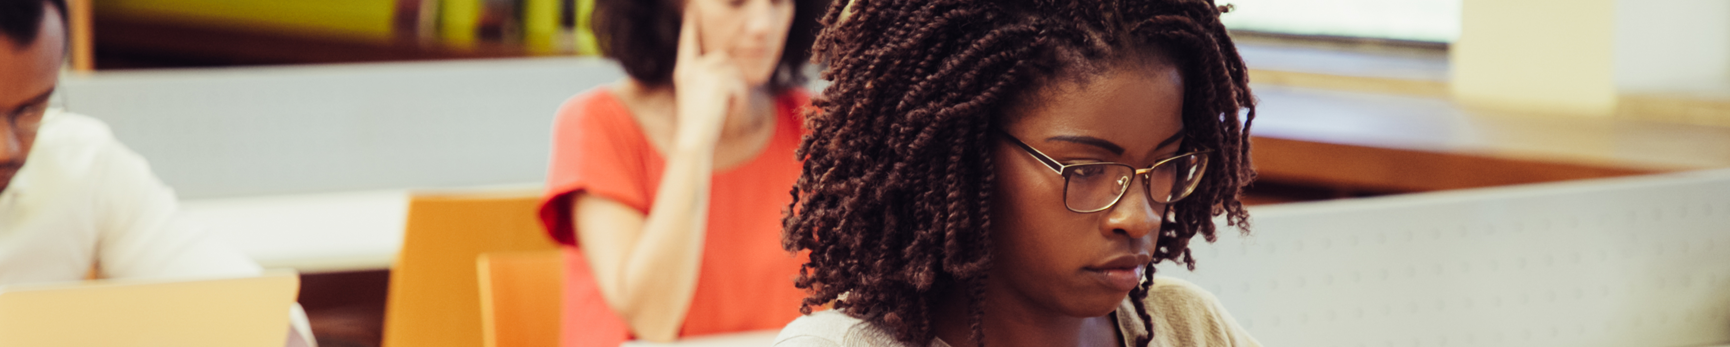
(181, 33)
(303, 128)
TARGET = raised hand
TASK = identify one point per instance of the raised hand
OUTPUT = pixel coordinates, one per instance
(707, 86)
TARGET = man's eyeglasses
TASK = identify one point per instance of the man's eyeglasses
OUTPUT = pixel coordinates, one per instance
(1094, 187)
(25, 120)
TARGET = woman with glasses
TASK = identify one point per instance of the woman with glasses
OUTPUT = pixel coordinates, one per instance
(1007, 173)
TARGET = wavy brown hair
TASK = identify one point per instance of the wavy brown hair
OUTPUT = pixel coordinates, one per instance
(893, 205)
(643, 36)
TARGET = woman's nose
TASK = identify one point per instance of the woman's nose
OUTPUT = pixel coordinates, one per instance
(759, 15)
(1135, 215)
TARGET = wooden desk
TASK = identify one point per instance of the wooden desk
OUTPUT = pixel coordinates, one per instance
(320, 232)
(1380, 143)
(312, 233)
(1345, 120)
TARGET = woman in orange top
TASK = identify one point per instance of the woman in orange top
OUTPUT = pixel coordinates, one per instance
(668, 186)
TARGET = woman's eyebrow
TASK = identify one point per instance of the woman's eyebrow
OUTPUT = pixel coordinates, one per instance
(1089, 140)
(1171, 140)
(1110, 146)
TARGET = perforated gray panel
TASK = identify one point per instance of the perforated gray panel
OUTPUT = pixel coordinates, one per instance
(1621, 262)
(278, 130)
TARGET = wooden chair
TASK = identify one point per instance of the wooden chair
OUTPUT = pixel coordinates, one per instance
(521, 294)
(434, 297)
(83, 48)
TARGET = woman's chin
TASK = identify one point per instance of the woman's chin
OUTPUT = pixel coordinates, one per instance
(757, 75)
(1093, 305)
(757, 81)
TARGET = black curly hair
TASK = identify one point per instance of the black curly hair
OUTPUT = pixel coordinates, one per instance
(21, 19)
(893, 204)
(643, 36)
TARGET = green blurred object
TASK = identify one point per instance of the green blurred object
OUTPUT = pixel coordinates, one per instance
(495, 27)
(459, 20)
(353, 19)
(541, 25)
(585, 34)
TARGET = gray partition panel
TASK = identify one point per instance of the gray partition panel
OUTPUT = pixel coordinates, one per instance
(273, 130)
(1642, 261)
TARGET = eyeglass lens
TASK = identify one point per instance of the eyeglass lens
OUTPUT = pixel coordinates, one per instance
(26, 120)
(1094, 187)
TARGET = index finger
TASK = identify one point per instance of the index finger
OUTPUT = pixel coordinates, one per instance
(690, 46)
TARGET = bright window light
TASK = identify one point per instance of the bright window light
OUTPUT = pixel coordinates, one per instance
(1415, 20)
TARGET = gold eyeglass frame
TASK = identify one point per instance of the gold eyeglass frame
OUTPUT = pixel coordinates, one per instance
(1144, 173)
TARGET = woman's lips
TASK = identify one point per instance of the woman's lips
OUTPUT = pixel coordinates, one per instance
(750, 52)
(1121, 279)
(1123, 272)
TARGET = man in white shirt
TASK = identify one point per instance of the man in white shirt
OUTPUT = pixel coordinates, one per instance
(74, 202)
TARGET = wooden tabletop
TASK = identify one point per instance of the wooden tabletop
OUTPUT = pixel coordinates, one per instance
(1398, 143)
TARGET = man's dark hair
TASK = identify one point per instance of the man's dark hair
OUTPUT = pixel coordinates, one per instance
(20, 20)
(643, 36)
(894, 201)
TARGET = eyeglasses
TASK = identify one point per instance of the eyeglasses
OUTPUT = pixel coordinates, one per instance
(1094, 187)
(27, 119)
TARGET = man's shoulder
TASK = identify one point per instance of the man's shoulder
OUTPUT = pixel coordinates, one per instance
(72, 149)
(73, 126)
(72, 136)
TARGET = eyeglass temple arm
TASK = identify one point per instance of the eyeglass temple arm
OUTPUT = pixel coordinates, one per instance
(1044, 159)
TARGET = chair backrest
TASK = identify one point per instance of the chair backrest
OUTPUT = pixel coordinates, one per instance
(521, 294)
(1612, 262)
(83, 50)
(434, 297)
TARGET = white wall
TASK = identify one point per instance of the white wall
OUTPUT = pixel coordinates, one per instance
(1536, 56)
(1670, 45)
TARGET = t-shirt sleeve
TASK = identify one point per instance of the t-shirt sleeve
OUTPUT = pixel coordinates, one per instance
(143, 233)
(597, 149)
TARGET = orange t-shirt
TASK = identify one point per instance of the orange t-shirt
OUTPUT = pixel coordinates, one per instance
(746, 279)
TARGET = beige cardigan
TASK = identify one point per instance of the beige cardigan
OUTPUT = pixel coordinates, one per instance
(1185, 315)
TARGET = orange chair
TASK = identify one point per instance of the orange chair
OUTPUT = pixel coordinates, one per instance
(520, 298)
(83, 50)
(434, 297)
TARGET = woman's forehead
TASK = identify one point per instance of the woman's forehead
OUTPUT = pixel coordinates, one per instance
(1127, 106)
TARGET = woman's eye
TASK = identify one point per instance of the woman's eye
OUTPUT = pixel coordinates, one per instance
(1086, 172)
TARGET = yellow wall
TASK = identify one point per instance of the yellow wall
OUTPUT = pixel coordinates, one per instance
(1537, 56)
